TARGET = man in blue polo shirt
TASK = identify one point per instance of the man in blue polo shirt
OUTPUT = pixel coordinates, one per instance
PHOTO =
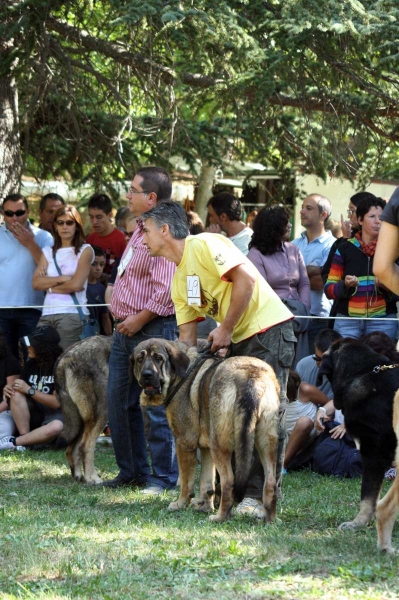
(20, 248)
(315, 243)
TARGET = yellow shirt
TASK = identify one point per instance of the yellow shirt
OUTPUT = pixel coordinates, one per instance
(210, 256)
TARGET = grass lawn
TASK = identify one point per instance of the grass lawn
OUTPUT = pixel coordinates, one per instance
(60, 539)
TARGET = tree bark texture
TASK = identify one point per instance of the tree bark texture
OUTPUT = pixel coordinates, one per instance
(204, 191)
(10, 155)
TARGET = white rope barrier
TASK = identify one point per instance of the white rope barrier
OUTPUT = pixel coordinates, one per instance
(314, 318)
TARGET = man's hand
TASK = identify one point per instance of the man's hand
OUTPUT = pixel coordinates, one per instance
(24, 236)
(214, 228)
(129, 326)
(338, 432)
(21, 386)
(8, 391)
(220, 339)
(319, 420)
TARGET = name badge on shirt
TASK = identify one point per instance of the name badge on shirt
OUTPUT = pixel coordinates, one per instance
(124, 263)
(193, 290)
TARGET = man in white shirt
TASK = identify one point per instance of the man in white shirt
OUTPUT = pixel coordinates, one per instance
(20, 249)
(224, 213)
(315, 243)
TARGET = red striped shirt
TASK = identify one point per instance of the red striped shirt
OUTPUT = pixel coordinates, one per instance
(145, 283)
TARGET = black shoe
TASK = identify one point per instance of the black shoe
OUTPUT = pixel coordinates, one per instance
(120, 481)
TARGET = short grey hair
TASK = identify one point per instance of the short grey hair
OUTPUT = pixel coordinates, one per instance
(323, 203)
(171, 214)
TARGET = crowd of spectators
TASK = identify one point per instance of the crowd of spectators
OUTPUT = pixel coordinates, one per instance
(252, 280)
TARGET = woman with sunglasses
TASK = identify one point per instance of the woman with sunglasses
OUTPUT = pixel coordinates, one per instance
(73, 257)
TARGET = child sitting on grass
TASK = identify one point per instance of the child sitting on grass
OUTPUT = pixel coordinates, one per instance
(303, 400)
(34, 406)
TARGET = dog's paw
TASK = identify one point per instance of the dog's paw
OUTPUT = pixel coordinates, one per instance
(388, 550)
(176, 506)
(204, 507)
(94, 480)
(215, 519)
(349, 526)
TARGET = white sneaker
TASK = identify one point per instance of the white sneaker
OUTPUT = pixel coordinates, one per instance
(250, 508)
(153, 490)
(6, 444)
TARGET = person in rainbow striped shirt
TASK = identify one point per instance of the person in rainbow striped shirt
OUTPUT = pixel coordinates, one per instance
(352, 283)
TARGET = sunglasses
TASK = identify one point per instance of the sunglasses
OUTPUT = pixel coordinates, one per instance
(316, 358)
(17, 213)
(69, 223)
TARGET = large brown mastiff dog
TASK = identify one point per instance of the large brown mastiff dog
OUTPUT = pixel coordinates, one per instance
(223, 406)
(388, 507)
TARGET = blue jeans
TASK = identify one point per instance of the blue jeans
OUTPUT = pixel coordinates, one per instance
(126, 419)
(17, 322)
(354, 328)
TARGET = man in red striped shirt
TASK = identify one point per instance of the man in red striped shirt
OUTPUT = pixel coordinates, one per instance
(142, 308)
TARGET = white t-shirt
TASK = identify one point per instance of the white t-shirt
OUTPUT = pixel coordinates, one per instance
(242, 239)
(67, 260)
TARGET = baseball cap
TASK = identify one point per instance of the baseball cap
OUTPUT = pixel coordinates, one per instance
(42, 335)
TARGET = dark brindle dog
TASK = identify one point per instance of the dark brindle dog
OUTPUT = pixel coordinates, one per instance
(81, 376)
(364, 385)
(223, 407)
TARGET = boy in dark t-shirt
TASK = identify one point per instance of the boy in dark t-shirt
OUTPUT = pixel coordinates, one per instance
(95, 293)
(32, 398)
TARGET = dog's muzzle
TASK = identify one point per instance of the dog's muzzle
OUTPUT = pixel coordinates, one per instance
(150, 387)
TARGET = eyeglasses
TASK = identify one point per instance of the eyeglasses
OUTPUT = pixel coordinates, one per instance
(68, 223)
(316, 358)
(350, 212)
(17, 213)
(132, 190)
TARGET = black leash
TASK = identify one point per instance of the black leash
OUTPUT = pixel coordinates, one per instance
(203, 355)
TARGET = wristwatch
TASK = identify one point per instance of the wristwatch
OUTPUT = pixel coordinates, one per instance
(32, 391)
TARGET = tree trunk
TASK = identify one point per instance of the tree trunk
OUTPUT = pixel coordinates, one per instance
(10, 151)
(204, 191)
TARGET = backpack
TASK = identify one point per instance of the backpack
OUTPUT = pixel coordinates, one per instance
(337, 457)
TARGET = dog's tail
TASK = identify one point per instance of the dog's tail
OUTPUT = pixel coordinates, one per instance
(73, 422)
(245, 417)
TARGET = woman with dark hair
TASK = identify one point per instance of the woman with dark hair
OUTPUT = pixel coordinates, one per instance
(281, 264)
(35, 408)
(73, 258)
(352, 283)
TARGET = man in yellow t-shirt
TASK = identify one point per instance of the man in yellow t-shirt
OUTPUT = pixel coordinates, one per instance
(213, 278)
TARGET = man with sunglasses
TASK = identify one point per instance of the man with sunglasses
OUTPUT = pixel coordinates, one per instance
(142, 308)
(20, 248)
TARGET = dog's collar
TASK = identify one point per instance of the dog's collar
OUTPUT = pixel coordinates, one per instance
(204, 355)
(379, 368)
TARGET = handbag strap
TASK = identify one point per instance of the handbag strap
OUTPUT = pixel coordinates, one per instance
(73, 295)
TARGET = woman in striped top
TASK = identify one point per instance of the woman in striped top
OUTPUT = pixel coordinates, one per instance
(352, 283)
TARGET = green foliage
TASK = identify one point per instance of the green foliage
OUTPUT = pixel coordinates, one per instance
(105, 86)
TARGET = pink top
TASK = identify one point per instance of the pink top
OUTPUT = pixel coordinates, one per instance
(144, 284)
(284, 271)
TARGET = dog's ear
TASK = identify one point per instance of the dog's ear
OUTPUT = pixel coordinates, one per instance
(132, 364)
(326, 368)
(178, 359)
